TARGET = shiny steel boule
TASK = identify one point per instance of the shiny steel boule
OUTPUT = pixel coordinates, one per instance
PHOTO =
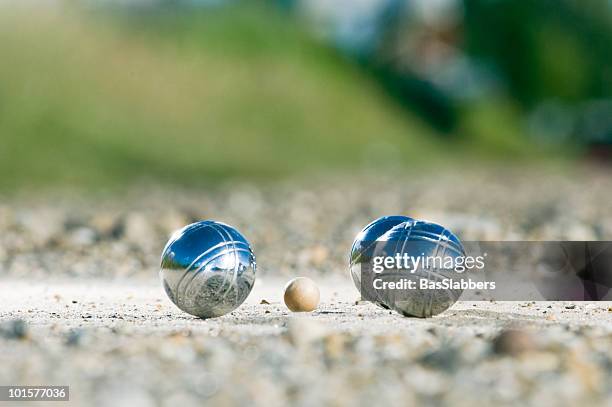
(426, 239)
(393, 235)
(365, 242)
(208, 269)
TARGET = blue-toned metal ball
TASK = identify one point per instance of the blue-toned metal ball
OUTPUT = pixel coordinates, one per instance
(364, 243)
(208, 269)
(418, 239)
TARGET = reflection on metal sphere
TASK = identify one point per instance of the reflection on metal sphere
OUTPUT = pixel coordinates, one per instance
(414, 238)
(207, 269)
(364, 243)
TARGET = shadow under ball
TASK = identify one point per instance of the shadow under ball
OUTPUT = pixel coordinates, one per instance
(208, 269)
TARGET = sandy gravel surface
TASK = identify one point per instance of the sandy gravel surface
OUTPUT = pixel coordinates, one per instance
(124, 343)
(295, 227)
(81, 304)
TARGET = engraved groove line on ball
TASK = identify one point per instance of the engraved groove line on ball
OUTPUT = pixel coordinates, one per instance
(206, 263)
(193, 263)
(216, 256)
(234, 251)
(182, 292)
(221, 230)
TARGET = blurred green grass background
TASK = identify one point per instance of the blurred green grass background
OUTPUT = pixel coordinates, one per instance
(192, 97)
(189, 98)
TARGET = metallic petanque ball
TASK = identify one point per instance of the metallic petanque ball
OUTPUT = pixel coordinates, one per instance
(392, 235)
(426, 239)
(207, 269)
(365, 241)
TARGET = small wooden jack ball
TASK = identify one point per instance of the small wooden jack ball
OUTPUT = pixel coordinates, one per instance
(301, 295)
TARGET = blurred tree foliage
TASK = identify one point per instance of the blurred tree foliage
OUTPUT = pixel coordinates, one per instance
(542, 68)
(545, 49)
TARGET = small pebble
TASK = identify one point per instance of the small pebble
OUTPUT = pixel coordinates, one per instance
(74, 337)
(301, 295)
(513, 342)
(14, 329)
(446, 358)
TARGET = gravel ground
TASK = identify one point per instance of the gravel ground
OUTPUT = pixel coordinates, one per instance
(81, 304)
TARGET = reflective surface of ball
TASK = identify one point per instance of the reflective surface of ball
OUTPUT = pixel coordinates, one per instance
(363, 245)
(425, 239)
(392, 235)
(207, 269)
